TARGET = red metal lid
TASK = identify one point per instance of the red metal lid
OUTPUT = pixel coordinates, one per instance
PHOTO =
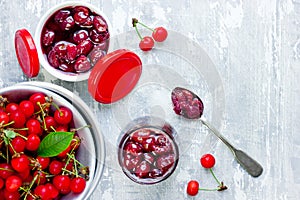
(114, 76)
(26, 53)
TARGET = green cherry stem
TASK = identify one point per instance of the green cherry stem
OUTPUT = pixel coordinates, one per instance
(137, 31)
(43, 116)
(147, 27)
(213, 174)
(221, 185)
(205, 189)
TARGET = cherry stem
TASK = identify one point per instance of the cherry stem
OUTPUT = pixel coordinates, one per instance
(30, 186)
(12, 148)
(206, 189)
(77, 129)
(213, 174)
(22, 136)
(4, 125)
(56, 106)
(3, 156)
(5, 169)
(43, 113)
(137, 31)
(151, 29)
(53, 129)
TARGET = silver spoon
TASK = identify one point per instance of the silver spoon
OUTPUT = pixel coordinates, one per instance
(190, 106)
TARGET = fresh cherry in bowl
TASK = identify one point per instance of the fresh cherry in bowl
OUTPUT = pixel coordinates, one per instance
(148, 153)
(71, 39)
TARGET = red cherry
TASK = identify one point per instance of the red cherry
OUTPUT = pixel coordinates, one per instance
(11, 195)
(100, 24)
(52, 190)
(50, 122)
(34, 127)
(62, 182)
(82, 64)
(77, 184)
(72, 52)
(63, 115)
(13, 183)
(96, 54)
(148, 144)
(18, 144)
(133, 148)
(35, 98)
(80, 35)
(43, 161)
(55, 167)
(53, 59)
(140, 135)
(20, 163)
(11, 107)
(43, 192)
(19, 119)
(27, 108)
(48, 37)
(6, 170)
(98, 37)
(61, 15)
(84, 47)
(67, 23)
(24, 174)
(81, 16)
(165, 162)
(130, 161)
(207, 161)
(192, 188)
(33, 142)
(40, 177)
(62, 128)
(147, 43)
(160, 34)
(4, 118)
(143, 169)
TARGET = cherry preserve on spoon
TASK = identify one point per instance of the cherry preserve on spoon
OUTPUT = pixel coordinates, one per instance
(190, 106)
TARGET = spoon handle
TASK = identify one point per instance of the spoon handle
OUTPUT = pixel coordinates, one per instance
(248, 163)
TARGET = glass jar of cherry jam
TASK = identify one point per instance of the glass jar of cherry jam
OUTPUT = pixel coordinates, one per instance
(147, 152)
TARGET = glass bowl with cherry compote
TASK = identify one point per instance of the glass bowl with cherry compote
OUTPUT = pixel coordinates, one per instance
(70, 38)
(148, 152)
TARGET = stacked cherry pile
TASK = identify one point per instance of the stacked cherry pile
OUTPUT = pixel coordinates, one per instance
(38, 144)
(149, 154)
(74, 39)
(159, 34)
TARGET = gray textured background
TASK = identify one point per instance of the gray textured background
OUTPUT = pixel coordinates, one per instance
(255, 46)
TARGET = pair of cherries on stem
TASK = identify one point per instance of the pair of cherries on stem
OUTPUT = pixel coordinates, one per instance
(207, 161)
(159, 34)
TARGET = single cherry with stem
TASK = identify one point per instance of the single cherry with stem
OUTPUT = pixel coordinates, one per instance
(208, 161)
(190, 106)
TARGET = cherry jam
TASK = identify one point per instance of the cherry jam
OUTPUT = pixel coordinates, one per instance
(148, 154)
(74, 38)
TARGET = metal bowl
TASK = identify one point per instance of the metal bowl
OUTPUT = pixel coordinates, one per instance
(92, 150)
